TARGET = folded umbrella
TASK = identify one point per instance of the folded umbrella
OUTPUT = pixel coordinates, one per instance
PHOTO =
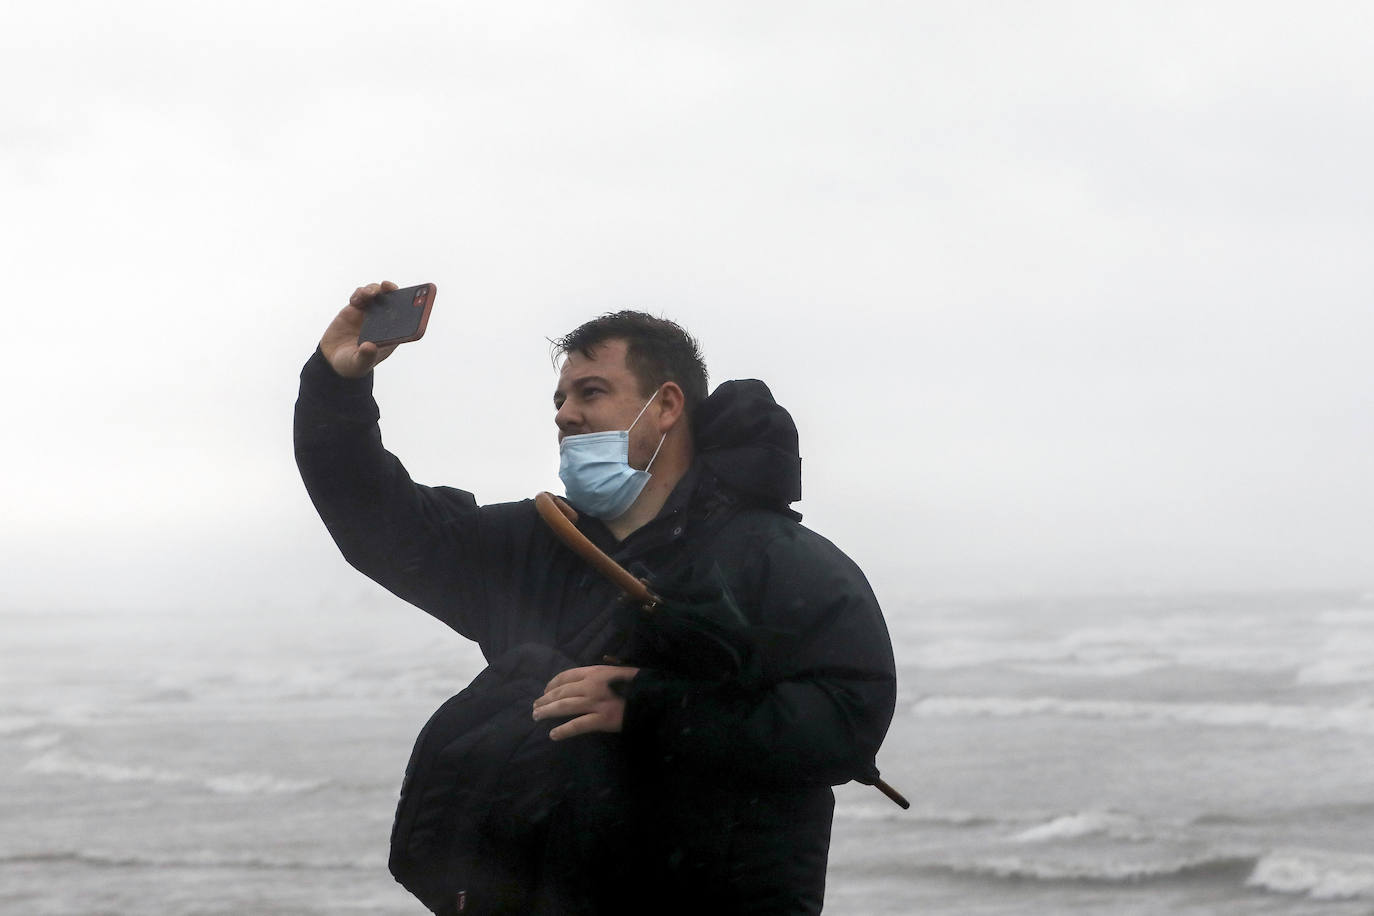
(704, 636)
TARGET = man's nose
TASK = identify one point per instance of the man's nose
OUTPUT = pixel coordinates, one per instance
(567, 419)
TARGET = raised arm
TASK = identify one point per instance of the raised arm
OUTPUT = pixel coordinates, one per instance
(422, 543)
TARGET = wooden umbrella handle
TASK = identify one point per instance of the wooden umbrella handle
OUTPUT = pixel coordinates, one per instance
(892, 793)
(560, 516)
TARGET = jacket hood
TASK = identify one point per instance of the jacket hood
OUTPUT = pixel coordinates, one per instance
(748, 440)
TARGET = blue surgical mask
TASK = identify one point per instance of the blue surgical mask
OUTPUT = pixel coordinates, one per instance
(595, 469)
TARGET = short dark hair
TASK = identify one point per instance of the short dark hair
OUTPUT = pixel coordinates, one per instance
(656, 351)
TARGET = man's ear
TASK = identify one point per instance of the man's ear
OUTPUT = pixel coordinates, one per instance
(672, 407)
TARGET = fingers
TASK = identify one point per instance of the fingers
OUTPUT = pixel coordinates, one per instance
(589, 715)
(591, 681)
(568, 706)
(586, 695)
(368, 355)
(365, 357)
(565, 677)
(582, 725)
(594, 674)
(349, 358)
(584, 716)
(556, 693)
(362, 296)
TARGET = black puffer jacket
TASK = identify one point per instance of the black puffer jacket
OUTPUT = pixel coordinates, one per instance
(732, 775)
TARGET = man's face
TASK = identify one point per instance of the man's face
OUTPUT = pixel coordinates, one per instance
(600, 394)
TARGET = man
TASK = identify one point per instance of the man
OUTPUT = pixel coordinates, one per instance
(730, 774)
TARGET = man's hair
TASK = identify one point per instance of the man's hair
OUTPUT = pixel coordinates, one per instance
(656, 351)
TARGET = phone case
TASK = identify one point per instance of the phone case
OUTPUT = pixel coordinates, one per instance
(399, 316)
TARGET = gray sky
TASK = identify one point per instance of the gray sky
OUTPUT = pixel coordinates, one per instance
(1064, 297)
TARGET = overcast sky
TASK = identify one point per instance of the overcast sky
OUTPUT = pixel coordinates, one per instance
(1064, 297)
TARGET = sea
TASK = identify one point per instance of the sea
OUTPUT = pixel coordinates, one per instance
(1162, 754)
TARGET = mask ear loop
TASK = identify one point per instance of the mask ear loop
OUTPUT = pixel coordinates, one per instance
(640, 414)
(644, 408)
(656, 451)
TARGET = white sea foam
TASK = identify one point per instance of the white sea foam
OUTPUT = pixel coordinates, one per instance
(58, 763)
(1316, 874)
(1087, 823)
(1109, 871)
(1353, 719)
(1343, 669)
(259, 784)
(1107, 668)
(890, 812)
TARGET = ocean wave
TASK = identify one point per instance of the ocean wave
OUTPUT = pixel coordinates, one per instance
(1088, 823)
(57, 763)
(1312, 873)
(1261, 641)
(1317, 874)
(194, 859)
(1017, 868)
(913, 817)
(1355, 719)
(1351, 668)
(1106, 669)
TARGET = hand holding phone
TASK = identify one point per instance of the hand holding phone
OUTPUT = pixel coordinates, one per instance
(397, 316)
(358, 339)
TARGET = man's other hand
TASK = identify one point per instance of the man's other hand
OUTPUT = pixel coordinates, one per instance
(340, 342)
(587, 696)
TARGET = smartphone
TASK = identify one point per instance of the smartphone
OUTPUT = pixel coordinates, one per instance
(399, 316)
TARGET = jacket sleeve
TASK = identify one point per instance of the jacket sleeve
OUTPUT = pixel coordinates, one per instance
(824, 717)
(427, 545)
